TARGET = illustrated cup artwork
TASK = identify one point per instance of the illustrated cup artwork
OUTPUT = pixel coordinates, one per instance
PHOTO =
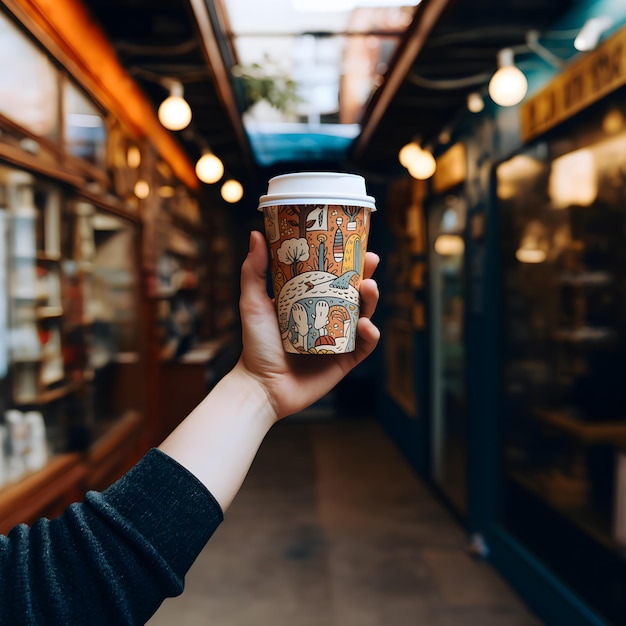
(317, 226)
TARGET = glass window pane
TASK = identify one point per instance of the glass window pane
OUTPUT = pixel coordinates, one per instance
(4, 286)
(448, 407)
(85, 129)
(112, 310)
(28, 82)
(563, 404)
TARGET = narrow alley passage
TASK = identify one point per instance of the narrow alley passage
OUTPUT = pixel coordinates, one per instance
(333, 528)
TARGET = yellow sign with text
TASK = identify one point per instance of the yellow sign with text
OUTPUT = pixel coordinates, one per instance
(582, 83)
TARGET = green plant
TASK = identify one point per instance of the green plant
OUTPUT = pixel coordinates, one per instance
(259, 84)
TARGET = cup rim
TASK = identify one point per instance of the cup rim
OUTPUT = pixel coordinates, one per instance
(367, 202)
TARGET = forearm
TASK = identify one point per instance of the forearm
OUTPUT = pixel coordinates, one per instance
(113, 558)
(219, 439)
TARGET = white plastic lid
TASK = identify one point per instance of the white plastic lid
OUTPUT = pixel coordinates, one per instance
(317, 188)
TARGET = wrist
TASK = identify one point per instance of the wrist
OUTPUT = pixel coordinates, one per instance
(218, 440)
(249, 388)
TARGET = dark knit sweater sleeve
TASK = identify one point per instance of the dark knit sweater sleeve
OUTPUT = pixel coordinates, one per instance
(113, 558)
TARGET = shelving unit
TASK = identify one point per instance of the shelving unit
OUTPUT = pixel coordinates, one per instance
(79, 314)
(72, 306)
(194, 327)
(62, 401)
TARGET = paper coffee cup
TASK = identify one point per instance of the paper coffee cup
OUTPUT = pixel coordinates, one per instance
(317, 226)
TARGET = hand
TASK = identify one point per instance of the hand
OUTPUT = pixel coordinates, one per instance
(293, 382)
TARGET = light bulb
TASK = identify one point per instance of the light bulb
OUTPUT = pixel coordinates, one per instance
(232, 191)
(209, 168)
(174, 112)
(475, 103)
(530, 255)
(423, 166)
(133, 157)
(508, 85)
(449, 245)
(142, 189)
(408, 153)
(167, 191)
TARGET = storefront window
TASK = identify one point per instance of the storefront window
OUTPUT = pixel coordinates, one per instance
(85, 132)
(29, 92)
(69, 346)
(448, 406)
(562, 214)
(113, 312)
(4, 287)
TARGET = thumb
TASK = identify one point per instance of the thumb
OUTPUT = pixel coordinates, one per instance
(254, 269)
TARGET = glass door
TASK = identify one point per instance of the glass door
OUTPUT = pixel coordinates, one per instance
(447, 313)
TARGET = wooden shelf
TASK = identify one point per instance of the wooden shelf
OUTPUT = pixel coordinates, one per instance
(51, 395)
(586, 335)
(207, 351)
(49, 312)
(111, 204)
(189, 227)
(581, 515)
(44, 492)
(112, 454)
(66, 477)
(56, 394)
(43, 257)
(586, 279)
(586, 432)
(24, 297)
(31, 162)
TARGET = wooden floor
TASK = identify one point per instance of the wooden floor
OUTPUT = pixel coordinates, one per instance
(332, 528)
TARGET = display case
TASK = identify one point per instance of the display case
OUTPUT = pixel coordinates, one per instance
(563, 398)
(195, 300)
(103, 249)
(72, 350)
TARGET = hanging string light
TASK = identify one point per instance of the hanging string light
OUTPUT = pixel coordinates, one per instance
(209, 168)
(508, 85)
(142, 189)
(232, 191)
(408, 153)
(475, 103)
(420, 163)
(174, 112)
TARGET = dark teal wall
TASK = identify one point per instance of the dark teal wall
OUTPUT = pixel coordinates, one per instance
(489, 137)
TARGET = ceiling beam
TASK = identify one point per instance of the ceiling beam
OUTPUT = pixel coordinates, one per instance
(221, 75)
(427, 15)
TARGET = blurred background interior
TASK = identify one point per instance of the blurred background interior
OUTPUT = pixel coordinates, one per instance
(135, 140)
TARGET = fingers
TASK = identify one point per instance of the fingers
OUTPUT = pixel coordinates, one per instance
(369, 288)
(367, 340)
(368, 333)
(369, 297)
(371, 263)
